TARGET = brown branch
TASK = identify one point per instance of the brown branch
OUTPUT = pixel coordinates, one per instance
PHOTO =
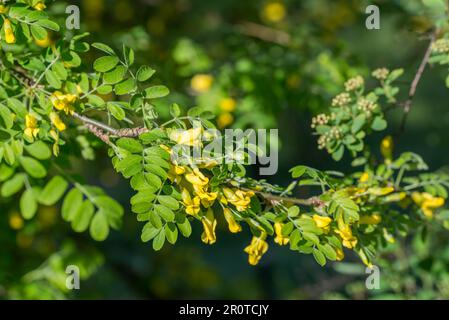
(108, 130)
(312, 202)
(407, 105)
(265, 33)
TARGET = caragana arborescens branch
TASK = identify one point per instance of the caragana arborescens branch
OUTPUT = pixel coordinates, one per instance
(47, 102)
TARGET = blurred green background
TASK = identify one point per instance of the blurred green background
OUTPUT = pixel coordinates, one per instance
(255, 64)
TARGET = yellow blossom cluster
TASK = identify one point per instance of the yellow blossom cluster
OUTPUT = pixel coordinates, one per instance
(427, 202)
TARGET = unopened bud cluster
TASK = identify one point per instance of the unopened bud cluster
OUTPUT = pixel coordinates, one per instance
(441, 46)
(333, 134)
(341, 100)
(381, 73)
(366, 106)
(354, 83)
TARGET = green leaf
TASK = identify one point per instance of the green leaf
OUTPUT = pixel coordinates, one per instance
(39, 150)
(319, 257)
(149, 232)
(115, 76)
(156, 92)
(171, 233)
(28, 204)
(38, 32)
(116, 110)
(33, 167)
(99, 228)
(358, 123)
(185, 227)
(83, 216)
(48, 24)
(104, 64)
(159, 240)
(103, 47)
(126, 87)
(328, 251)
(164, 212)
(12, 186)
(129, 144)
(338, 154)
(379, 124)
(169, 202)
(53, 191)
(71, 204)
(293, 211)
(6, 117)
(144, 73)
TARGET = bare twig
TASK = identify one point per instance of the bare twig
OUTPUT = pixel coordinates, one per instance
(407, 105)
(125, 132)
(313, 201)
(265, 33)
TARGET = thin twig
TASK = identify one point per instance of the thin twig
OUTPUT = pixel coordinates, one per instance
(407, 105)
(265, 33)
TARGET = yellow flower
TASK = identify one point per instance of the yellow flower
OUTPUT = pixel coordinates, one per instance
(322, 222)
(280, 239)
(44, 43)
(175, 173)
(16, 221)
(227, 104)
(233, 226)
(340, 254)
(274, 11)
(56, 120)
(191, 137)
(224, 120)
(371, 219)
(201, 83)
(364, 177)
(40, 6)
(240, 199)
(256, 249)
(192, 205)
(9, 33)
(31, 129)
(386, 148)
(207, 198)
(63, 101)
(427, 202)
(3, 9)
(375, 191)
(345, 232)
(197, 178)
(209, 225)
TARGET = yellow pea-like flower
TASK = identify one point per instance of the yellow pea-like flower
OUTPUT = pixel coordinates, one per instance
(386, 148)
(239, 198)
(175, 173)
(44, 43)
(322, 222)
(31, 129)
(16, 221)
(40, 6)
(197, 178)
(191, 137)
(55, 137)
(56, 120)
(192, 205)
(227, 104)
(3, 9)
(427, 202)
(340, 254)
(209, 225)
(233, 226)
(9, 33)
(371, 219)
(224, 120)
(280, 239)
(364, 177)
(274, 12)
(380, 191)
(207, 198)
(63, 101)
(201, 83)
(257, 248)
(344, 231)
